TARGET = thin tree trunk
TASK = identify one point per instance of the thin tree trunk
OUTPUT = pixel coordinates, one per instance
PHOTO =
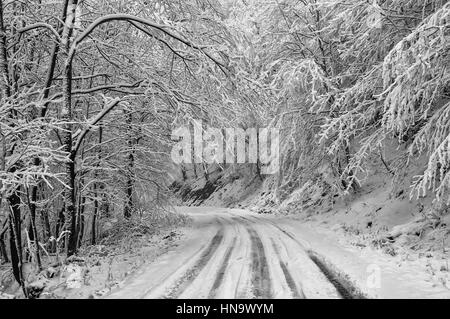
(3, 253)
(69, 209)
(80, 221)
(183, 172)
(129, 187)
(46, 228)
(354, 184)
(96, 176)
(205, 170)
(15, 239)
(34, 233)
(69, 176)
(61, 220)
(258, 163)
(94, 217)
(4, 78)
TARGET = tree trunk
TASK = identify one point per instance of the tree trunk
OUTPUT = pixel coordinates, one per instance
(258, 150)
(4, 78)
(96, 184)
(33, 230)
(61, 220)
(94, 217)
(15, 239)
(183, 172)
(69, 198)
(80, 221)
(46, 228)
(3, 253)
(129, 187)
(354, 185)
(69, 165)
(205, 171)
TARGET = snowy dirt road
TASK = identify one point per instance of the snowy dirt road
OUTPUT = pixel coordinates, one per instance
(231, 254)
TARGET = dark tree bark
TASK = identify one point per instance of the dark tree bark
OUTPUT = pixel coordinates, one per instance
(94, 218)
(46, 228)
(61, 219)
(183, 172)
(96, 187)
(33, 229)
(3, 253)
(129, 187)
(69, 203)
(15, 239)
(69, 165)
(354, 185)
(258, 163)
(80, 219)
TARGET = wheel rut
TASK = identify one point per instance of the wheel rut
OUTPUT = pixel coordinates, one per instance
(221, 273)
(193, 272)
(261, 284)
(296, 293)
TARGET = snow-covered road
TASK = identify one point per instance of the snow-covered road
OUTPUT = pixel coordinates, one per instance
(231, 253)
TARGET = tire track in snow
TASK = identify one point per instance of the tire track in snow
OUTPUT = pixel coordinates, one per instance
(244, 261)
(193, 272)
(296, 291)
(287, 275)
(287, 233)
(220, 274)
(262, 286)
(344, 288)
(260, 276)
(252, 219)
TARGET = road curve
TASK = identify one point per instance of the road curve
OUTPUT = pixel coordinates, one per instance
(230, 253)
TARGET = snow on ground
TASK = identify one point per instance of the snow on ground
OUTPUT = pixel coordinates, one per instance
(234, 253)
(97, 269)
(377, 229)
(390, 233)
(400, 276)
(230, 254)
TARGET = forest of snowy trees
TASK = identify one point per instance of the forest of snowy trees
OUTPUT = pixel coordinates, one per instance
(91, 91)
